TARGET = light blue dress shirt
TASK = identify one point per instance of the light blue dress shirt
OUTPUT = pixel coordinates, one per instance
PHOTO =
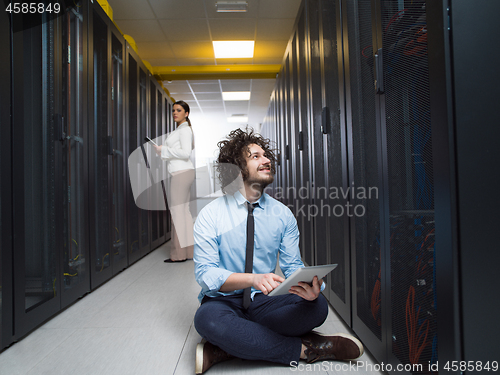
(220, 241)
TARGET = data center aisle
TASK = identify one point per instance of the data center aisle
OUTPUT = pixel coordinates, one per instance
(140, 322)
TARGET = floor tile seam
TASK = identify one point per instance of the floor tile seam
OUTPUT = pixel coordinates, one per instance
(55, 347)
(183, 346)
(123, 291)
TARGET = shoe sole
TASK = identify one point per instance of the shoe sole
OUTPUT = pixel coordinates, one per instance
(199, 358)
(356, 341)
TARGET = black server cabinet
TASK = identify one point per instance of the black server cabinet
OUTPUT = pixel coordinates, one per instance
(49, 196)
(390, 138)
(74, 156)
(132, 122)
(368, 298)
(161, 131)
(145, 215)
(168, 128)
(107, 160)
(152, 133)
(51, 163)
(118, 155)
(334, 202)
(137, 130)
(6, 322)
(464, 81)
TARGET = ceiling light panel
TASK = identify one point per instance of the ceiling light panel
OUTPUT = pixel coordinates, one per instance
(233, 49)
(237, 118)
(231, 6)
(236, 95)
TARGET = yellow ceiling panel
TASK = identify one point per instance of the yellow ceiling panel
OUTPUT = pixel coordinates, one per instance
(274, 29)
(194, 61)
(216, 72)
(142, 30)
(269, 48)
(174, 9)
(131, 10)
(279, 8)
(155, 50)
(193, 50)
(192, 29)
(232, 29)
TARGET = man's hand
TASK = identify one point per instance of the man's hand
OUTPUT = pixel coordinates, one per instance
(306, 291)
(266, 282)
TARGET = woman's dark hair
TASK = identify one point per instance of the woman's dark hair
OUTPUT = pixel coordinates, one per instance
(234, 150)
(184, 105)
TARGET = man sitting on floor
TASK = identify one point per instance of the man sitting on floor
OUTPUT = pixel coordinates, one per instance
(237, 318)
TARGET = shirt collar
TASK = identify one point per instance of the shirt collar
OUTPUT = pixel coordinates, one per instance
(185, 123)
(240, 199)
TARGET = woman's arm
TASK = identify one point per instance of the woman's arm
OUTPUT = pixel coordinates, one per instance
(184, 152)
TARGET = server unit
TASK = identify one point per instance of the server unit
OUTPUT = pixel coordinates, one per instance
(71, 87)
(386, 112)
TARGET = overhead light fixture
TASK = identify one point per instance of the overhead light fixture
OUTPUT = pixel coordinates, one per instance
(235, 95)
(233, 49)
(238, 118)
(231, 6)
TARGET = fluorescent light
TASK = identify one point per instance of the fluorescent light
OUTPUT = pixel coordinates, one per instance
(237, 118)
(235, 95)
(231, 6)
(233, 49)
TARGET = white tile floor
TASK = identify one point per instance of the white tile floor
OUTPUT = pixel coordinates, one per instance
(140, 322)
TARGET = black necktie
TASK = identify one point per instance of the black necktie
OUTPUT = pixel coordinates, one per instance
(249, 253)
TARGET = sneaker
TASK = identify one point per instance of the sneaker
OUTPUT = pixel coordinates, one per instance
(207, 355)
(339, 346)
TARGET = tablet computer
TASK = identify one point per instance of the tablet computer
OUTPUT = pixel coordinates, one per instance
(305, 274)
(147, 139)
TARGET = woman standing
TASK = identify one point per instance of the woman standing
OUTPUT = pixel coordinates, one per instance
(177, 151)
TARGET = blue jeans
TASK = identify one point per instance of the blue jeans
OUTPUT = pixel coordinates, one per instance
(269, 330)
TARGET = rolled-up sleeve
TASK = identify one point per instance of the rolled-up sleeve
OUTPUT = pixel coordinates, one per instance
(289, 248)
(206, 254)
(186, 142)
(290, 259)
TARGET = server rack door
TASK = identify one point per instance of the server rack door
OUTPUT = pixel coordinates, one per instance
(304, 140)
(118, 163)
(161, 131)
(101, 177)
(75, 254)
(6, 301)
(152, 132)
(283, 125)
(145, 216)
(338, 207)
(368, 299)
(408, 162)
(133, 222)
(36, 178)
(315, 104)
(279, 141)
(169, 120)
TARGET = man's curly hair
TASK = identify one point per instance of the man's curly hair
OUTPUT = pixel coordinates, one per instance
(234, 150)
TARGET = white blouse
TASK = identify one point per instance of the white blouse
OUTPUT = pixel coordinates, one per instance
(177, 148)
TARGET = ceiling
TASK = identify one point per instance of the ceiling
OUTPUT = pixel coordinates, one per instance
(175, 33)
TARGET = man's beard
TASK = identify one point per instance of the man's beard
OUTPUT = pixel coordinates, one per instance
(259, 183)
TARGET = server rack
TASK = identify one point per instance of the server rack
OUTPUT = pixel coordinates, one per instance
(132, 121)
(53, 69)
(399, 135)
(74, 154)
(105, 92)
(37, 177)
(6, 330)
